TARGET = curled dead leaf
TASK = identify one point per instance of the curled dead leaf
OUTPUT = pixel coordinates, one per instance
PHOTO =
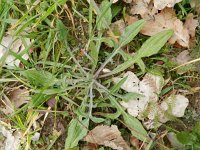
(107, 136)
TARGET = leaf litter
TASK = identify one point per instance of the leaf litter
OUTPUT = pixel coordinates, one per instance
(160, 15)
(108, 136)
(148, 108)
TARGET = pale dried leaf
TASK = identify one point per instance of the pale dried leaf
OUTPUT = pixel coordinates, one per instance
(107, 136)
(191, 24)
(151, 86)
(10, 140)
(161, 4)
(164, 20)
(132, 107)
(147, 107)
(131, 83)
(176, 105)
(16, 46)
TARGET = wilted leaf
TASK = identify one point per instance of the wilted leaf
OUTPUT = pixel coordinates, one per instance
(107, 136)
(161, 4)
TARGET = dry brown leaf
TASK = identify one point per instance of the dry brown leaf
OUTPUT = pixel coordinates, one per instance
(167, 20)
(161, 4)
(183, 57)
(143, 8)
(130, 19)
(107, 136)
(15, 99)
(191, 24)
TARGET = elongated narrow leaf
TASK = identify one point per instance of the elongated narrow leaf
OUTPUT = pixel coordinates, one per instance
(150, 47)
(134, 124)
(105, 17)
(76, 131)
(130, 32)
(154, 44)
(117, 86)
(39, 77)
(38, 99)
(135, 127)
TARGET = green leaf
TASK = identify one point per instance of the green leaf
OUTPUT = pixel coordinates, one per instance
(132, 123)
(154, 44)
(105, 17)
(111, 115)
(62, 30)
(141, 65)
(76, 131)
(196, 129)
(185, 137)
(131, 96)
(116, 10)
(38, 99)
(39, 77)
(97, 120)
(117, 86)
(150, 47)
(135, 127)
(130, 32)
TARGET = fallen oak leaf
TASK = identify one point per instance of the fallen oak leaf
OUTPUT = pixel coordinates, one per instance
(107, 136)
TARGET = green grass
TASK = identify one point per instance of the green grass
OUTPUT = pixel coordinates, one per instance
(68, 53)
